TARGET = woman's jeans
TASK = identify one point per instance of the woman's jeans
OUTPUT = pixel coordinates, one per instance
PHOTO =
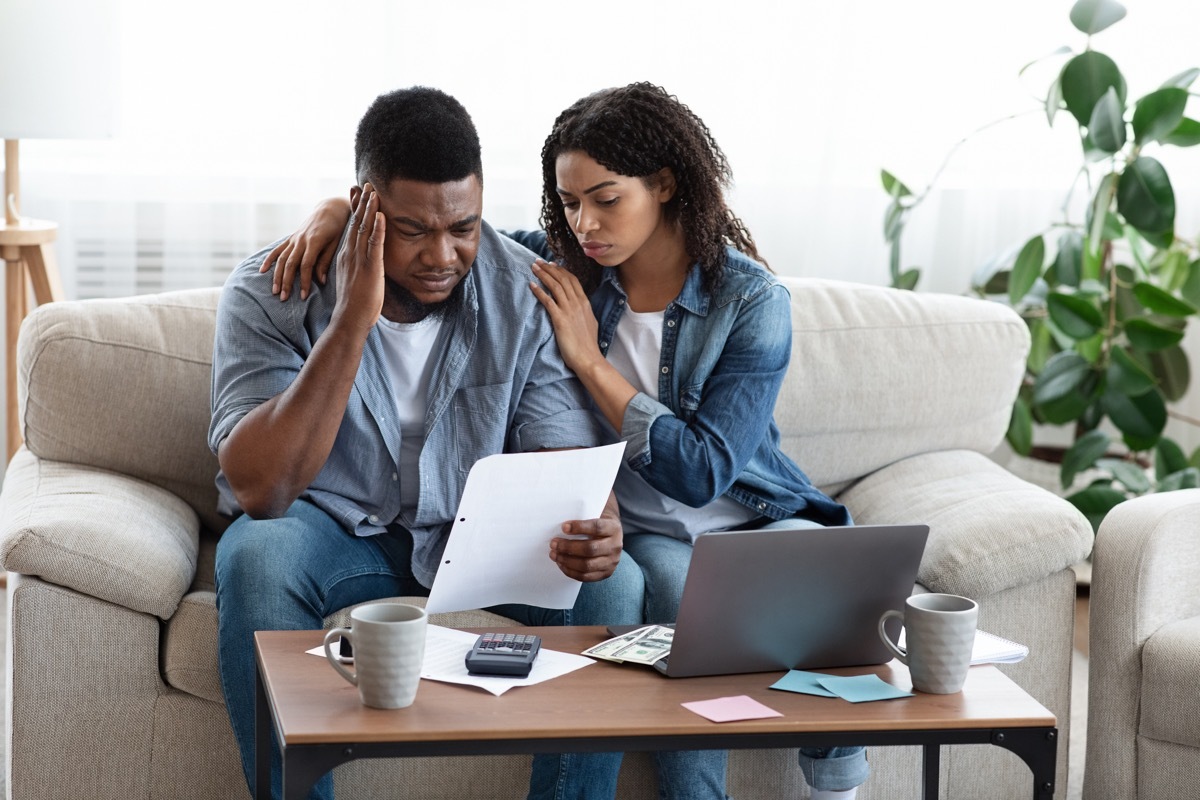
(292, 572)
(683, 774)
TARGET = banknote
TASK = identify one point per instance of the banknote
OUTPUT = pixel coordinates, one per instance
(606, 648)
(652, 644)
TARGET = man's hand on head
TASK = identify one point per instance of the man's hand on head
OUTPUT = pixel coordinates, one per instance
(594, 554)
(360, 275)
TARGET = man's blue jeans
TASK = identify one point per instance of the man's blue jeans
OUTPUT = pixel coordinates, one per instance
(290, 573)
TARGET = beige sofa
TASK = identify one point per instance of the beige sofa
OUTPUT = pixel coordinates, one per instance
(109, 528)
(1143, 738)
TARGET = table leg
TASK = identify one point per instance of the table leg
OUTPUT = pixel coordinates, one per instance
(1038, 748)
(262, 740)
(930, 771)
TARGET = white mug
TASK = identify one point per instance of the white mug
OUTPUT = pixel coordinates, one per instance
(388, 641)
(939, 632)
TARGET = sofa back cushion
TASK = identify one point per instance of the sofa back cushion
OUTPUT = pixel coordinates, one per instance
(879, 374)
(124, 385)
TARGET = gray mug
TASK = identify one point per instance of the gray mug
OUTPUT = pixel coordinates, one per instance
(388, 640)
(939, 632)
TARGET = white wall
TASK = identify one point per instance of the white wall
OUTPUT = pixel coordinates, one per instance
(228, 102)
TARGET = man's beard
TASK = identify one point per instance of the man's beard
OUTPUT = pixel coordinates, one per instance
(402, 304)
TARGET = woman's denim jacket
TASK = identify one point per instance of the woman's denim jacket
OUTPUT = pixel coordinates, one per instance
(712, 432)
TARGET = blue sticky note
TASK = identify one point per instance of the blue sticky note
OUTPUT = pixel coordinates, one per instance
(804, 683)
(861, 688)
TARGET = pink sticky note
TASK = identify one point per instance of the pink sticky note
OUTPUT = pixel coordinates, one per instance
(728, 709)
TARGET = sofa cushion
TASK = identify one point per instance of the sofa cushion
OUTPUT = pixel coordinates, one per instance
(105, 535)
(988, 529)
(94, 374)
(880, 374)
(1170, 702)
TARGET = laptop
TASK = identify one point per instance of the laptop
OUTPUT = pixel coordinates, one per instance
(769, 600)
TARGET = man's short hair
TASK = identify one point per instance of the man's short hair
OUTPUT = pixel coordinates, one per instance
(418, 134)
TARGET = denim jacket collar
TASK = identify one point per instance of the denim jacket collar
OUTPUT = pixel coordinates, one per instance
(692, 296)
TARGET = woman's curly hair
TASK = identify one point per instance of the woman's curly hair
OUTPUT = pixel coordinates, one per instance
(635, 131)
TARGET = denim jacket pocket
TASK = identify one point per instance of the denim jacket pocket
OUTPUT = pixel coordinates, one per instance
(480, 422)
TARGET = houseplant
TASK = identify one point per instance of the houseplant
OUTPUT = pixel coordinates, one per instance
(1107, 291)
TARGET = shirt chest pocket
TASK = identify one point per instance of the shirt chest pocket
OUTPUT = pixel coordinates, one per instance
(480, 422)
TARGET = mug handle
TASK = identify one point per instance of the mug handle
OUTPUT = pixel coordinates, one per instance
(336, 660)
(901, 655)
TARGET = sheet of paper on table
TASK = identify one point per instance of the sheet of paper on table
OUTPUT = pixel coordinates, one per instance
(445, 660)
(989, 649)
(512, 506)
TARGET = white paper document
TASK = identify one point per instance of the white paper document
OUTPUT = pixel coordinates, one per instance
(512, 506)
(988, 649)
(445, 660)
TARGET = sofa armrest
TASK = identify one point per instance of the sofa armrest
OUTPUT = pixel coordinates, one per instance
(106, 535)
(988, 529)
(1145, 575)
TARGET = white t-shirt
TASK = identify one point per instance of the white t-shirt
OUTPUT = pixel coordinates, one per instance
(407, 357)
(635, 352)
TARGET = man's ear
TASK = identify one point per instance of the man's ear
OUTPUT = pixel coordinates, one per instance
(355, 193)
(665, 179)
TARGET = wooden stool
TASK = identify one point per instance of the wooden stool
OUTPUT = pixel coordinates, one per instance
(28, 251)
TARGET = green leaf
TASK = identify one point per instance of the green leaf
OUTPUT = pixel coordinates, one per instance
(1140, 419)
(1082, 454)
(1173, 271)
(1093, 16)
(1097, 216)
(1150, 336)
(1085, 79)
(1039, 349)
(1068, 262)
(1064, 373)
(1027, 269)
(893, 186)
(908, 279)
(1145, 198)
(1074, 316)
(1095, 502)
(1127, 376)
(1168, 457)
(1183, 80)
(1158, 114)
(1186, 134)
(1161, 301)
(1191, 284)
(1173, 372)
(1106, 126)
(1184, 479)
(1070, 409)
(1020, 428)
(1129, 474)
(1054, 98)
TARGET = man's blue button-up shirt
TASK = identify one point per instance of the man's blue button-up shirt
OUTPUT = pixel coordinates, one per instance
(499, 385)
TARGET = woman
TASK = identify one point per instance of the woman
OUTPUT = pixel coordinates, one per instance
(662, 308)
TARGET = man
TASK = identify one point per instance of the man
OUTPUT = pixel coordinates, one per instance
(346, 424)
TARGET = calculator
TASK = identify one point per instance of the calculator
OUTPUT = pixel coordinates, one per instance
(503, 654)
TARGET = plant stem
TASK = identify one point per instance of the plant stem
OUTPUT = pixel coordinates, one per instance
(945, 162)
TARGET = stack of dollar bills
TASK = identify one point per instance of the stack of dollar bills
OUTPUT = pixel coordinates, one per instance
(643, 646)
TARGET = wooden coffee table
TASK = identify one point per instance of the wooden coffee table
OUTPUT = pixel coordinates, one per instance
(320, 722)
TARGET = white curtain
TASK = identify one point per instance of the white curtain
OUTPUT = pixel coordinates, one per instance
(237, 116)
